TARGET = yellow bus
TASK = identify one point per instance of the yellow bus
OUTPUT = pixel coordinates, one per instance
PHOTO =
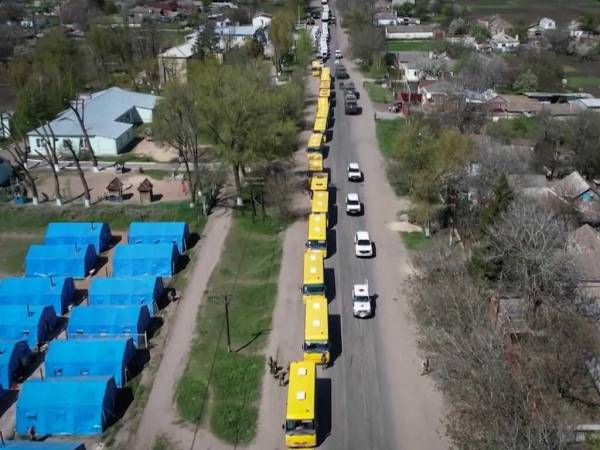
(313, 282)
(319, 181)
(326, 74)
(315, 143)
(317, 233)
(323, 111)
(315, 162)
(322, 103)
(316, 68)
(320, 125)
(325, 84)
(319, 203)
(316, 330)
(300, 417)
(325, 93)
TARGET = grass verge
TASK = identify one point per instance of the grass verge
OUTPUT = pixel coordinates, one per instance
(378, 93)
(387, 131)
(163, 443)
(414, 240)
(12, 257)
(223, 387)
(411, 46)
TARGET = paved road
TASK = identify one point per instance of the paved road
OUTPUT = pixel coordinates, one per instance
(378, 399)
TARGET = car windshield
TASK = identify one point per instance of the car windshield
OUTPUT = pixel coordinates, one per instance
(361, 298)
(363, 242)
(300, 426)
(352, 202)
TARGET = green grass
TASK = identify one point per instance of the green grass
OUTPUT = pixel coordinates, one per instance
(220, 387)
(33, 219)
(582, 81)
(12, 257)
(411, 46)
(378, 93)
(156, 174)
(387, 131)
(163, 443)
(414, 240)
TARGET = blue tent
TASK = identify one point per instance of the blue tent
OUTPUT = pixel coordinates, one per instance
(126, 291)
(90, 357)
(156, 260)
(66, 406)
(159, 233)
(78, 233)
(43, 445)
(33, 324)
(59, 260)
(109, 322)
(55, 291)
(12, 356)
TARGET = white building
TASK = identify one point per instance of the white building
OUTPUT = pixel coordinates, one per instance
(235, 36)
(172, 63)
(385, 19)
(261, 20)
(504, 43)
(409, 32)
(109, 119)
(547, 24)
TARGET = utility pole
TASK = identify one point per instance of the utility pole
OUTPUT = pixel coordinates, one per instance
(225, 299)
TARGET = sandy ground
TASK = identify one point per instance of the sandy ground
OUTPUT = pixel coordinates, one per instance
(159, 414)
(155, 151)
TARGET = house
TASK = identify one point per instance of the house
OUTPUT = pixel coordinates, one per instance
(440, 96)
(504, 43)
(110, 117)
(413, 63)
(509, 106)
(546, 24)
(173, 62)
(581, 195)
(384, 19)
(236, 35)
(496, 25)
(410, 32)
(261, 20)
(584, 104)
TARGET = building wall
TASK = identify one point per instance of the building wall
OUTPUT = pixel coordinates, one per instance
(172, 69)
(410, 35)
(145, 114)
(101, 145)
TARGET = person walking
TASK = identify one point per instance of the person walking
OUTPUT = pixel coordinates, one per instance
(425, 367)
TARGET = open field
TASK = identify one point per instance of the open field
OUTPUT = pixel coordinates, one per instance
(531, 10)
(411, 46)
(224, 388)
(387, 130)
(378, 93)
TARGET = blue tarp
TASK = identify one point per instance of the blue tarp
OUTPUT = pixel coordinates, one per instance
(159, 233)
(59, 261)
(66, 406)
(45, 445)
(12, 356)
(133, 260)
(90, 357)
(33, 324)
(109, 322)
(126, 291)
(55, 291)
(78, 233)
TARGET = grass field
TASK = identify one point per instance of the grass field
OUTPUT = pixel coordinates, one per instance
(411, 46)
(387, 130)
(12, 257)
(220, 387)
(415, 240)
(378, 93)
(531, 10)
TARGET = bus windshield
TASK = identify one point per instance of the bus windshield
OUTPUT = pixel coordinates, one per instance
(317, 245)
(316, 346)
(309, 289)
(300, 426)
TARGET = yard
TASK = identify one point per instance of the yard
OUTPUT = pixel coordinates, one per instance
(531, 10)
(219, 387)
(378, 93)
(387, 130)
(411, 46)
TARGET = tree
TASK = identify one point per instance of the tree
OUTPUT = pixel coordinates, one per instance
(558, 40)
(405, 9)
(433, 68)
(20, 156)
(458, 27)
(281, 29)
(583, 139)
(86, 189)
(498, 203)
(479, 73)
(480, 33)
(78, 109)
(366, 42)
(50, 156)
(80, 12)
(207, 41)
(589, 22)
(526, 82)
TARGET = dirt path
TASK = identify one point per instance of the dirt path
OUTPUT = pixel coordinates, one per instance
(160, 413)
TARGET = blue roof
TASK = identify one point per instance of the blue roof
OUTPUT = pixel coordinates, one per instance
(59, 260)
(55, 291)
(102, 112)
(142, 290)
(159, 233)
(144, 259)
(237, 30)
(45, 445)
(11, 356)
(30, 323)
(78, 233)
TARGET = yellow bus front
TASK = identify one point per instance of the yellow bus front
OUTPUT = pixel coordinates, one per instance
(313, 281)
(320, 125)
(319, 181)
(317, 233)
(300, 418)
(315, 143)
(315, 162)
(316, 68)
(316, 330)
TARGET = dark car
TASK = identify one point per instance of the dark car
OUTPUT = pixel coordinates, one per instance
(349, 89)
(341, 73)
(351, 105)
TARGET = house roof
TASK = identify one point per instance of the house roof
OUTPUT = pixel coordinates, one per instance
(102, 111)
(572, 186)
(527, 180)
(115, 185)
(503, 38)
(439, 87)
(410, 29)
(145, 186)
(385, 16)
(588, 103)
(499, 22)
(518, 103)
(180, 51)
(237, 30)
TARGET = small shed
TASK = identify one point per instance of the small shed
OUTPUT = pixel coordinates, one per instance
(75, 406)
(158, 260)
(143, 290)
(33, 324)
(115, 190)
(110, 322)
(59, 261)
(43, 445)
(56, 291)
(13, 358)
(90, 357)
(159, 233)
(145, 190)
(79, 233)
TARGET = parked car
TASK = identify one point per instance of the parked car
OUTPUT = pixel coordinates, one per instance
(354, 173)
(361, 301)
(353, 204)
(341, 73)
(363, 247)
(338, 54)
(351, 105)
(349, 89)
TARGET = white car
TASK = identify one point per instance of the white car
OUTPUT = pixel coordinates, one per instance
(338, 54)
(353, 205)
(363, 247)
(354, 173)
(361, 301)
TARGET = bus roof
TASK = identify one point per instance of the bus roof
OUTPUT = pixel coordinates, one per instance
(316, 326)
(317, 227)
(315, 140)
(313, 267)
(301, 391)
(324, 93)
(320, 124)
(322, 111)
(325, 84)
(325, 73)
(320, 202)
(319, 181)
(322, 103)
(315, 162)
(316, 64)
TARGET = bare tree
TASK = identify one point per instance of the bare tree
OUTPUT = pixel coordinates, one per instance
(86, 189)
(49, 155)
(480, 72)
(80, 115)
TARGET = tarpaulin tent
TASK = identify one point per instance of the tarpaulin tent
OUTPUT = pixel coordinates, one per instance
(43, 445)
(143, 290)
(144, 259)
(66, 406)
(90, 357)
(109, 322)
(13, 356)
(55, 291)
(159, 233)
(31, 323)
(78, 233)
(59, 260)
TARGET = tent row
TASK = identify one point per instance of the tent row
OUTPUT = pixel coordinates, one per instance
(43, 445)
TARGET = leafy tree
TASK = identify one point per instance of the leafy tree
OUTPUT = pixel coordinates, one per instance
(500, 201)
(457, 27)
(281, 34)
(405, 9)
(367, 42)
(526, 82)
(207, 41)
(583, 139)
(480, 33)
(558, 40)
(589, 22)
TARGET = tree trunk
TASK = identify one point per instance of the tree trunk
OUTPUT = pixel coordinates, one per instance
(50, 162)
(86, 137)
(192, 190)
(86, 188)
(238, 184)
